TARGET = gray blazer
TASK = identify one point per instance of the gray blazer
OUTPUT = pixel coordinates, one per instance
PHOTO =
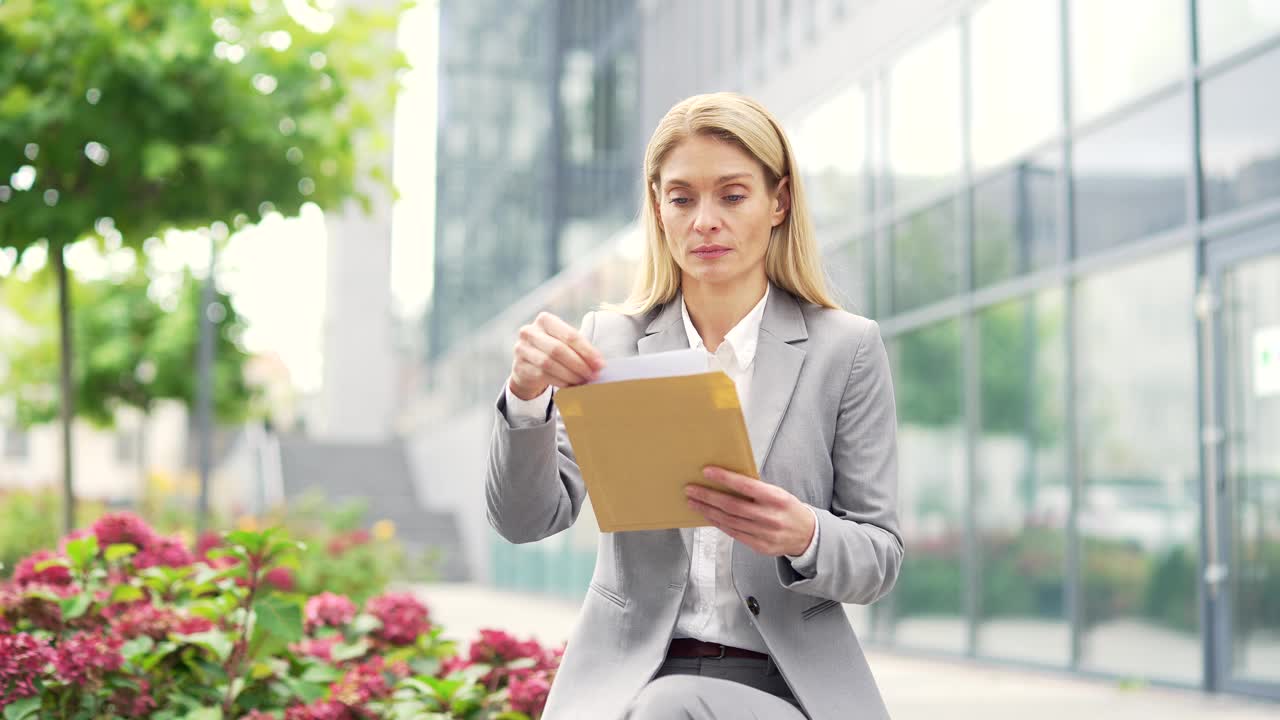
(822, 425)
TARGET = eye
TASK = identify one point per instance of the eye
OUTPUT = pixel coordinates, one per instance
(735, 198)
(679, 201)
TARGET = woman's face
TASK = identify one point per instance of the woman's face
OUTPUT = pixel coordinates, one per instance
(717, 211)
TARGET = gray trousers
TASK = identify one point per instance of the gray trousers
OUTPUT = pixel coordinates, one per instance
(716, 689)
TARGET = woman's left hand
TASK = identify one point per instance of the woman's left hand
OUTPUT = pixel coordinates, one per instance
(771, 521)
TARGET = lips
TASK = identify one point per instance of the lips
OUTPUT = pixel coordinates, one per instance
(708, 252)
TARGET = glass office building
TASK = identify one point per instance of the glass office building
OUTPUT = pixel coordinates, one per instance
(1065, 216)
(534, 95)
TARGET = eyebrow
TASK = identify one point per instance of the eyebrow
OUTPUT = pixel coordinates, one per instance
(677, 182)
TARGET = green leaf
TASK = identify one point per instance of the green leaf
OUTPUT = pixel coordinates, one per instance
(159, 159)
(443, 689)
(205, 713)
(342, 651)
(321, 673)
(126, 593)
(75, 606)
(137, 647)
(522, 663)
(22, 709)
(251, 541)
(215, 641)
(364, 623)
(279, 617)
(307, 691)
(511, 715)
(51, 562)
(162, 650)
(119, 550)
(82, 550)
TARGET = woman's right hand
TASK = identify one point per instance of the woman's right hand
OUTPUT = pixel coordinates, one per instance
(551, 352)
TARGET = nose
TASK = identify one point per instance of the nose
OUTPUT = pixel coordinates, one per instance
(707, 220)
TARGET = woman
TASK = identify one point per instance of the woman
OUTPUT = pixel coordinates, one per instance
(741, 618)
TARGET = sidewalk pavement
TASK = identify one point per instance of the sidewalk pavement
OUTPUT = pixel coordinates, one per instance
(915, 688)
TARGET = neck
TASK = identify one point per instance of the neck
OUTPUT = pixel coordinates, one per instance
(715, 309)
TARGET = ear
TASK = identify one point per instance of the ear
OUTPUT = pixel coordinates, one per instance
(782, 202)
(657, 211)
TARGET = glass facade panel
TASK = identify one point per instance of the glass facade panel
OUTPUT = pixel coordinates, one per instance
(1016, 66)
(1251, 405)
(1226, 26)
(1120, 50)
(925, 258)
(830, 144)
(850, 267)
(1021, 491)
(1015, 220)
(1139, 469)
(1129, 179)
(927, 602)
(1240, 145)
(924, 117)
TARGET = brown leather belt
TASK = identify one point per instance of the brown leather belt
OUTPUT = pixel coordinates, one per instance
(690, 648)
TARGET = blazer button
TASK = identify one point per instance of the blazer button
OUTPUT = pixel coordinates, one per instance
(753, 605)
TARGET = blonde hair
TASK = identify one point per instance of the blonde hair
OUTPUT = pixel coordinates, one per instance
(791, 262)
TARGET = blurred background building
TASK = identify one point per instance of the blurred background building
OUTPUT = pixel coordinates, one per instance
(1065, 216)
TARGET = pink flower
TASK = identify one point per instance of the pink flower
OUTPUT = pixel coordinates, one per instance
(529, 695)
(403, 618)
(362, 683)
(281, 578)
(452, 665)
(143, 619)
(348, 540)
(23, 658)
(41, 612)
(156, 622)
(26, 574)
(85, 657)
(208, 541)
(192, 625)
(164, 552)
(329, 610)
(497, 647)
(124, 527)
(319, 710)
(320, 648)
(134, 703)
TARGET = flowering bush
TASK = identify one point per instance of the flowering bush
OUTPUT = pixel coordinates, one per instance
(122, 621)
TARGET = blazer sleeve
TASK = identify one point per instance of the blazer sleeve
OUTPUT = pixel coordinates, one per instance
(533, 488)
(861, 549)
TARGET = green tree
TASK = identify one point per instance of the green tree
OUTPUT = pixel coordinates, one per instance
(130, 117)
(130, 351)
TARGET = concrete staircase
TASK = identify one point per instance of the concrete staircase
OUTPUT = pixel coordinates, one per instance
(379, 476)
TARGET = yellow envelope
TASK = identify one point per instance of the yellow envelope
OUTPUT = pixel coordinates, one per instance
(639, 442)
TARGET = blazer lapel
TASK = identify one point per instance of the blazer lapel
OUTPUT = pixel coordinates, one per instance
(777, 368)
(666, 331)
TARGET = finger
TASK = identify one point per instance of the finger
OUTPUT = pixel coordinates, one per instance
(739, 483)
(724, 520)
(543, 362)
(748, 510)
(566, 333)
(539, 363)
(561, 353)
(754, 542)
